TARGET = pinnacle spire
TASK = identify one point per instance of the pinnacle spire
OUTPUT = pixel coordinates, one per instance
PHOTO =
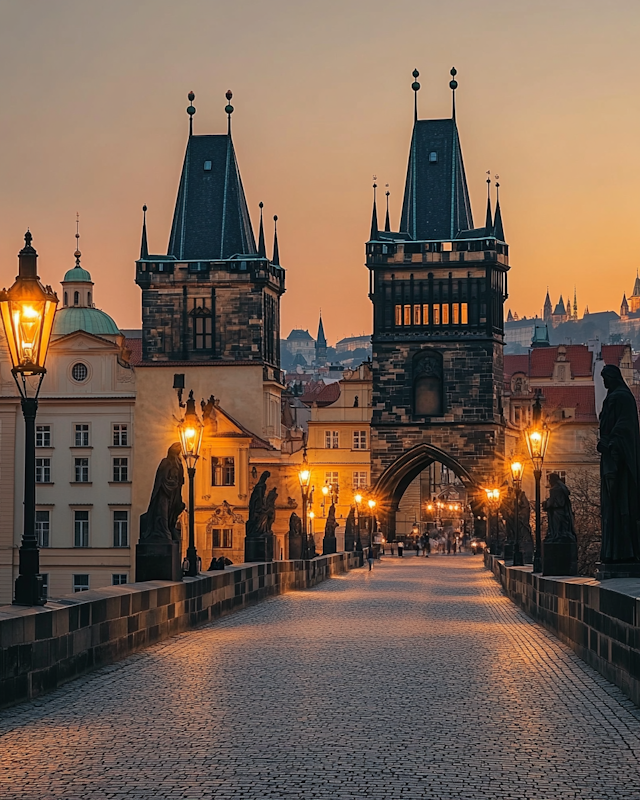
(416, 88)
(144, 247)
(77, 254)
(374, 216)
(387, 224)
(489, 220)
(453, 85)
(229, 110)
(276, 250)
(262, 250)
(191, 110)
(497, 220)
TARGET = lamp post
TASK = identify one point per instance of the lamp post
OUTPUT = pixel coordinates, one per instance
(537, 438)
(28, 309)
(304, 477)
(493, 499)
(330, 493)
(372, 504)
(517, 468)
(190, 429)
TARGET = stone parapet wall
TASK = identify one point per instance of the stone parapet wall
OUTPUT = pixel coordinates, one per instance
(599, 621)
(43, 647)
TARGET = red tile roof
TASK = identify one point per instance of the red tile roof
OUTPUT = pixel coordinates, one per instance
(135, 345)
(322, 394)
(516, 363)
(581, 398)
(543, 359)
(613, 353)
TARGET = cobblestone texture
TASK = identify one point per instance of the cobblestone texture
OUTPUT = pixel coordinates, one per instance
(417, 680)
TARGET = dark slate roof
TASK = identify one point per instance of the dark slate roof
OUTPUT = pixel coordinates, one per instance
(299, 334)
(211, 219)
(436, 199)
(636, 288)
(321, 339)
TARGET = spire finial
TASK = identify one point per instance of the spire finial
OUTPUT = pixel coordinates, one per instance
(489, 219)
(191, 110)
(387, 225)
(453, 85)
(374, 214)
(229, 110)
(497, 221)
(276, 250)
(262, 250)
(416, 88)
(144, 248)
(77, 254)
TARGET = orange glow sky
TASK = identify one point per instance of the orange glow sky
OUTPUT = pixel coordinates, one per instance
(92, 119)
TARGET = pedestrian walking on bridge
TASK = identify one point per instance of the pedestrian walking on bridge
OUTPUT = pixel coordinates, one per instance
(370, 558)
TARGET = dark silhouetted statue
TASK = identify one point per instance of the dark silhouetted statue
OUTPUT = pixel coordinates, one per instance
(619, 447)
(295, 537)
(329, 542)
(350, 531)
(259, 539)
(561, 526)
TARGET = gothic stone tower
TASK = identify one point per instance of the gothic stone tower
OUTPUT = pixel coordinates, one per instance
(438, 288)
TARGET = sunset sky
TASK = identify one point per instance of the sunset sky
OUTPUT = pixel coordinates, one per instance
(92, 119)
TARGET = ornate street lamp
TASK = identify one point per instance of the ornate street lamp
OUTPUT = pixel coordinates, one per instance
(537, 438)
(304, 477)
(329, 493)
(190, 429)
(372, 504)
(28, 309)
(517, 469)
(493, 500)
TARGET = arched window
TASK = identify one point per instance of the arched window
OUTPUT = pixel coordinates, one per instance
(89, 299)
(66, 299)
(428, 395)
(76, 298)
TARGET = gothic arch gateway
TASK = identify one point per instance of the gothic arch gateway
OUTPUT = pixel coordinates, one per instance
(438, 287)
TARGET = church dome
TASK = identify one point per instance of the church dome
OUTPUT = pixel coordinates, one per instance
(77, 275)
(91, 320)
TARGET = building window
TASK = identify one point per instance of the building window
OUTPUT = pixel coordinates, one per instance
(43, 435)
(425, 314)
(120, 470)
(416, 315)
(80, 583)
(80, 529)
(456, 313)
(427, 384)
(121, 529)
(223, 471)
(202, 329)
(436, 314)
(331, 440)
(398, 315)
(79, 372)
(359, 440)
(82, 435)
(331, 478)
(45, 584)
(42, 528)
(221, 537)
(360, 480)
(406, 315)
(76, 298)
(120, 435)
(118, 578)
(445, 313)
(43, 470)
(433, 157)
(464, 314)
(81, 470)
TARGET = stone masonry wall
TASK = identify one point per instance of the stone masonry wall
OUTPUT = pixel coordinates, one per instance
(599, 621)
(44, 647)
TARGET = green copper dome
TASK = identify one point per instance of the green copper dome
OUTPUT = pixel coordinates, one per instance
(77, 275)
(91, 320)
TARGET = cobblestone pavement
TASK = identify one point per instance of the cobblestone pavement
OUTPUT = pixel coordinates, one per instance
(417, 680)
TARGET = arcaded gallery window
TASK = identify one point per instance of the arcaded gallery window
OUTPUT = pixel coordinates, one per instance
(428, 392)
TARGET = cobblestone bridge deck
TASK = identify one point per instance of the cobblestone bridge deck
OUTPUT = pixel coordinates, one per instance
(418, 680)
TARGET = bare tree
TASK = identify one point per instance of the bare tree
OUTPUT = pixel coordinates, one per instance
(584, 484)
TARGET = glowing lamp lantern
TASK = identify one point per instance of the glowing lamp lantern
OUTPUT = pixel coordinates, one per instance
(28, 310)
(325, 490)
(537, 442)
(517, 468)
(190, 430)
(371, 504)
(358, 498)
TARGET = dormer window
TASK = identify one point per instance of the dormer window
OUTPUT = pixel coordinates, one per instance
(433, 157)
(207, 166)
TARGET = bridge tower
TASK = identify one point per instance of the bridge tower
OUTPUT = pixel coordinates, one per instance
(438, 288)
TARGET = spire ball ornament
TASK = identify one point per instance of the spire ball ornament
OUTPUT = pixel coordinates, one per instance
(229, 108)
(191, 109)
(453, 84)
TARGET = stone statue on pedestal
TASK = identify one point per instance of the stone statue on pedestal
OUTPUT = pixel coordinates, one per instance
(350, 531)
(295, 537)
(619, 447)
(561, 527)
(259, 542)
(329, 543)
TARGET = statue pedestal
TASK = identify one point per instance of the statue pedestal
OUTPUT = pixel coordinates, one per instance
(158, 561)
(559, 558)
(329, 545)
(629, 569)
(508, 551)
(259, 549)
(295, 547)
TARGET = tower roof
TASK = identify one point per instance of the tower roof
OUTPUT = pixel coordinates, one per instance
(436, 201)
(560, 309)
(321, 339)
(636, 288)
(211, 218)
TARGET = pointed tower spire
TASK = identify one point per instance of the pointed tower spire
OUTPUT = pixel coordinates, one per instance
(497, 221)
(387, 224)
(575, 303)
(144, 247)
(453, 85)
(488, 220)
(229, 110)
(416, 88)
(77, 254)
(191, 110)
(262, 250)
(374, 216)
(276, 250)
